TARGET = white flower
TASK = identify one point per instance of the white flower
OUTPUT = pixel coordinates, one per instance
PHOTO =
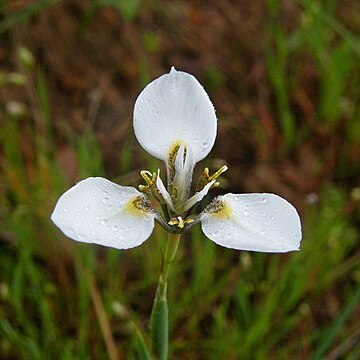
(175, 121)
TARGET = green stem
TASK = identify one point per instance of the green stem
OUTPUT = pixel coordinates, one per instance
(159, 321)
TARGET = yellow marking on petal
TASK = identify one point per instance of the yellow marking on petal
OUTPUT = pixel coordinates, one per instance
(219, 208)
(172, 156)
(138, 206)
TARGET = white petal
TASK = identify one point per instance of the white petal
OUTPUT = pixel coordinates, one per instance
(175, 108)
(183, 173)
(254, 222)
(198, 196)
(161, 187)
(99, 211)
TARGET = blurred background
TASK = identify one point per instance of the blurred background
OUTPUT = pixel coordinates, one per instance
(284, 77)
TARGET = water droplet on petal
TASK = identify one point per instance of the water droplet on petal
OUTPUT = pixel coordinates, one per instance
(264, 200)
(205, 145)
(105, 200)
(87, 207)
(115, 228)
(104, 222)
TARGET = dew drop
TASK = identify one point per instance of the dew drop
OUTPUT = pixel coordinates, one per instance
(65, 210)
(105, 200)
(264, 200)
(87, 207)
(105, 193)
(205, 145)
(216, 233)
(110, 207)
(70, 229)
(115, 228)
(104, 222)
(81, 237)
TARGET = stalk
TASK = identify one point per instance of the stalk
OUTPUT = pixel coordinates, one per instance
(159, 320)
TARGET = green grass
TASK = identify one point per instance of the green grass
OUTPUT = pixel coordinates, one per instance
(223, 304)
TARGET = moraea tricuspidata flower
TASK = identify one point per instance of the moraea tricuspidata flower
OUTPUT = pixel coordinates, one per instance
(175, 121)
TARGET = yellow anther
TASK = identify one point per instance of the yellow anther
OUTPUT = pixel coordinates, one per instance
(180, 222)
(148, 177)
(218, 173)
(173, 221)
(188, 220)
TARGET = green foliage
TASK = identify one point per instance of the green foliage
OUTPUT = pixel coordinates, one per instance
(128, 8)
(223, 304)
(23, 15)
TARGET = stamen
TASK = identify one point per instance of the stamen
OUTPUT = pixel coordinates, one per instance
(205, 178)
(218, 173)
(180, 222)
(145, 174)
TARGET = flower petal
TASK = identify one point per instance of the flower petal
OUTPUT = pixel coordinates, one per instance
(184, 166)
(253, 222)
(198, 196)
(175, 108)
(99, 211)
(161, 187)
